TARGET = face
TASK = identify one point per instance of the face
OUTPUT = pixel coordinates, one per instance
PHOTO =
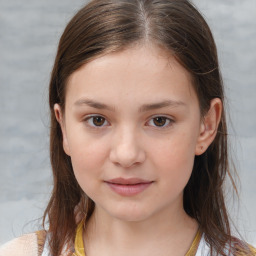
(132, 129)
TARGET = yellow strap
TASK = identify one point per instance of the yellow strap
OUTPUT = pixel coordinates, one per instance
(193, 248)
(79, 244)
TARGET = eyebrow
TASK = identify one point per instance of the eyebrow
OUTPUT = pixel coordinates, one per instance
(143, 108)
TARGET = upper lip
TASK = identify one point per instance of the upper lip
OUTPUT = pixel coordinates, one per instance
(130, 181)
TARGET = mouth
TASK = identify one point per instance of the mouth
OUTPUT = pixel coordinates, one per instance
(128, 187)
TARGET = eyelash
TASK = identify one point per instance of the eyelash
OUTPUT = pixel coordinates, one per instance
(168, 120)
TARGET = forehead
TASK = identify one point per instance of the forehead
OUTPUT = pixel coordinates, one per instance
(142, 72)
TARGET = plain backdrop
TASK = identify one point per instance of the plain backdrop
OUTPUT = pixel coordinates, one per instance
(29, 33)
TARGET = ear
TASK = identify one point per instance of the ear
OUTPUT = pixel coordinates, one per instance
(209, 126)
(60, 118)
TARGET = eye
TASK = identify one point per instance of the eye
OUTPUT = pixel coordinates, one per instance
(160, 121)
(96, 121)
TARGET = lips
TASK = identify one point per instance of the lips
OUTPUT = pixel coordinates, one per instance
(128, 187)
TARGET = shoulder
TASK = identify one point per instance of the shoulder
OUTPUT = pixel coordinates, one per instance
(251, 251)
(242, 248)
(34, 244)
(24, 245)
(204, 249)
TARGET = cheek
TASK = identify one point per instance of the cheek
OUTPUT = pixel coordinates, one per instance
(87, 161)
(175, 158)
(176, 148)
(88, 156)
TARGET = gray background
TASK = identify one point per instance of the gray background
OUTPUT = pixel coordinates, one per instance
(29, 33)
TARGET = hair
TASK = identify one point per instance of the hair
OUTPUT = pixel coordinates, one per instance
(105, 26)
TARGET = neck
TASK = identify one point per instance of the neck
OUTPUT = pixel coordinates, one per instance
(170, 233)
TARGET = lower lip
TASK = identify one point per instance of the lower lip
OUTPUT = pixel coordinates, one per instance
(129, 190)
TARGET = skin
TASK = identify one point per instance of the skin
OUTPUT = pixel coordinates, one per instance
(130, 143)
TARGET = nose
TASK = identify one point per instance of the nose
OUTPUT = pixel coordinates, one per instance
(126, 150)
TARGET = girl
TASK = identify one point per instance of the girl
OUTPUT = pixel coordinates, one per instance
(138, 137)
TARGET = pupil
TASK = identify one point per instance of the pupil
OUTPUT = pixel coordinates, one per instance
(98, 120)
(159, 121)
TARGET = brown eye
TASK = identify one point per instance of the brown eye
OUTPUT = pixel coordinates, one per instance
(160, 121)
(98, 120)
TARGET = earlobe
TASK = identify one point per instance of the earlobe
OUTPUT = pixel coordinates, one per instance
(209, 126)
(60, 118)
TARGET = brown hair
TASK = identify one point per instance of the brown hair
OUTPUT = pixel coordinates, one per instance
(105, 26)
